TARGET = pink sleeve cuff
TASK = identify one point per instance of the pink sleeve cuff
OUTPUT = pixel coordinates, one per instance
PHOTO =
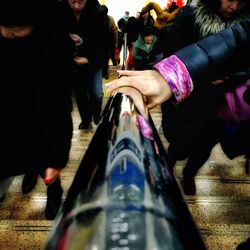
(177, 77)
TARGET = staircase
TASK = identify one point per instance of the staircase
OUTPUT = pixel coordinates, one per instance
(221, 208)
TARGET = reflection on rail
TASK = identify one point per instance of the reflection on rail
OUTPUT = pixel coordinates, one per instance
(123, 196)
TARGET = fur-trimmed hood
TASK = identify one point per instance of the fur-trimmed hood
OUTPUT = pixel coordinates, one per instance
(210, 22)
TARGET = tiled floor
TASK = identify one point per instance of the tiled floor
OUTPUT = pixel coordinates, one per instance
(221, 208)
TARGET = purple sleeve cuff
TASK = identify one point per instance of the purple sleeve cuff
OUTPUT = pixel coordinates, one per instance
(177, 76)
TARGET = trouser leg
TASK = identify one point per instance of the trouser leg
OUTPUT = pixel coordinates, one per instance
(54, 198)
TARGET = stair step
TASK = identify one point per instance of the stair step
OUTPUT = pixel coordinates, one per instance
(219, 210)
(216, 186)
(31, 233)
(34, 233)
(223, 236)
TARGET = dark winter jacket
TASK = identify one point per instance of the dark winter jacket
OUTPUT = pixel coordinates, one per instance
(143, 55)
(198, 112)
(36, 107)
(225, 52)
(214, 57)
(93, 28)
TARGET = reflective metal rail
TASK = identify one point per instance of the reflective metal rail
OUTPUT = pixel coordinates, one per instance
(124, 196)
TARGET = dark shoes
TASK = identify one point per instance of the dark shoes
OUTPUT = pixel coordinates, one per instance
(96, 119)
(2, 198)
(244, 245)
(29, 182)
(85, 126)
(189, 187)
(54, 198)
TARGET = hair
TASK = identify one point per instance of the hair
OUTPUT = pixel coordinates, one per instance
(213, 4)
(105, 8)
(216, 4)
(147, 31)
(17, 12)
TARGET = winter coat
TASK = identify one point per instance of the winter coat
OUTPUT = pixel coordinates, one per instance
(219, 54)
(204, 60)
(36, 116)
(93, 28)
(197, 114)
(143, 55)
(113, 29)
(149, 22)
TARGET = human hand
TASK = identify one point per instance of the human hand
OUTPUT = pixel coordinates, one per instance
(50, 175)
(137, 97)
(79, 60)
(149, 82)
(77, 39)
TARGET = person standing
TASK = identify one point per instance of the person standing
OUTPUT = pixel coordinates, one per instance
(88, 27)
(35, 67)
(193, 128)
(144, 20)
(143, 49)
(113, 43)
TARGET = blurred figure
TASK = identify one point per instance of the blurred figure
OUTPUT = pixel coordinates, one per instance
(126, 15)
(193, 127)
(35, 67)
(163, 17)
(145, 19)
(113, 43)
(191, 70)
(173, 7)
(87, 24)
(122, 23)
(133, 30)
(143, 49)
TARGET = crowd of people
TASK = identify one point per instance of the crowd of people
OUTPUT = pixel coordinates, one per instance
(188, 65)
(194, 125)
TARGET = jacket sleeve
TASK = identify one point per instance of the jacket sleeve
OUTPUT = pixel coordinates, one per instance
(218, 55)
(54, 99)
(209, 59)
(162, 15)
(97, 39)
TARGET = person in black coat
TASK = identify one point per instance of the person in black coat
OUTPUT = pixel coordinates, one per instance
(87, 24)
(36, 116)
(193, 128)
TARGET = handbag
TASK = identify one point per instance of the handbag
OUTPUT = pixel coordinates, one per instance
(235, 108)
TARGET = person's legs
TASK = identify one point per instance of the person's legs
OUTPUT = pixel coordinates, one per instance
(112, 56)
(29, 182)
(96, 95)
(80, 90)
(198, 156)
(54, 199)
(54, 193)
(105, 71)
(4, 186)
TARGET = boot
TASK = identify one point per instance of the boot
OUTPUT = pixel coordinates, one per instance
(29, 182)
(97, 110)
(189, 187)
(244, 245)
(54, 198)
